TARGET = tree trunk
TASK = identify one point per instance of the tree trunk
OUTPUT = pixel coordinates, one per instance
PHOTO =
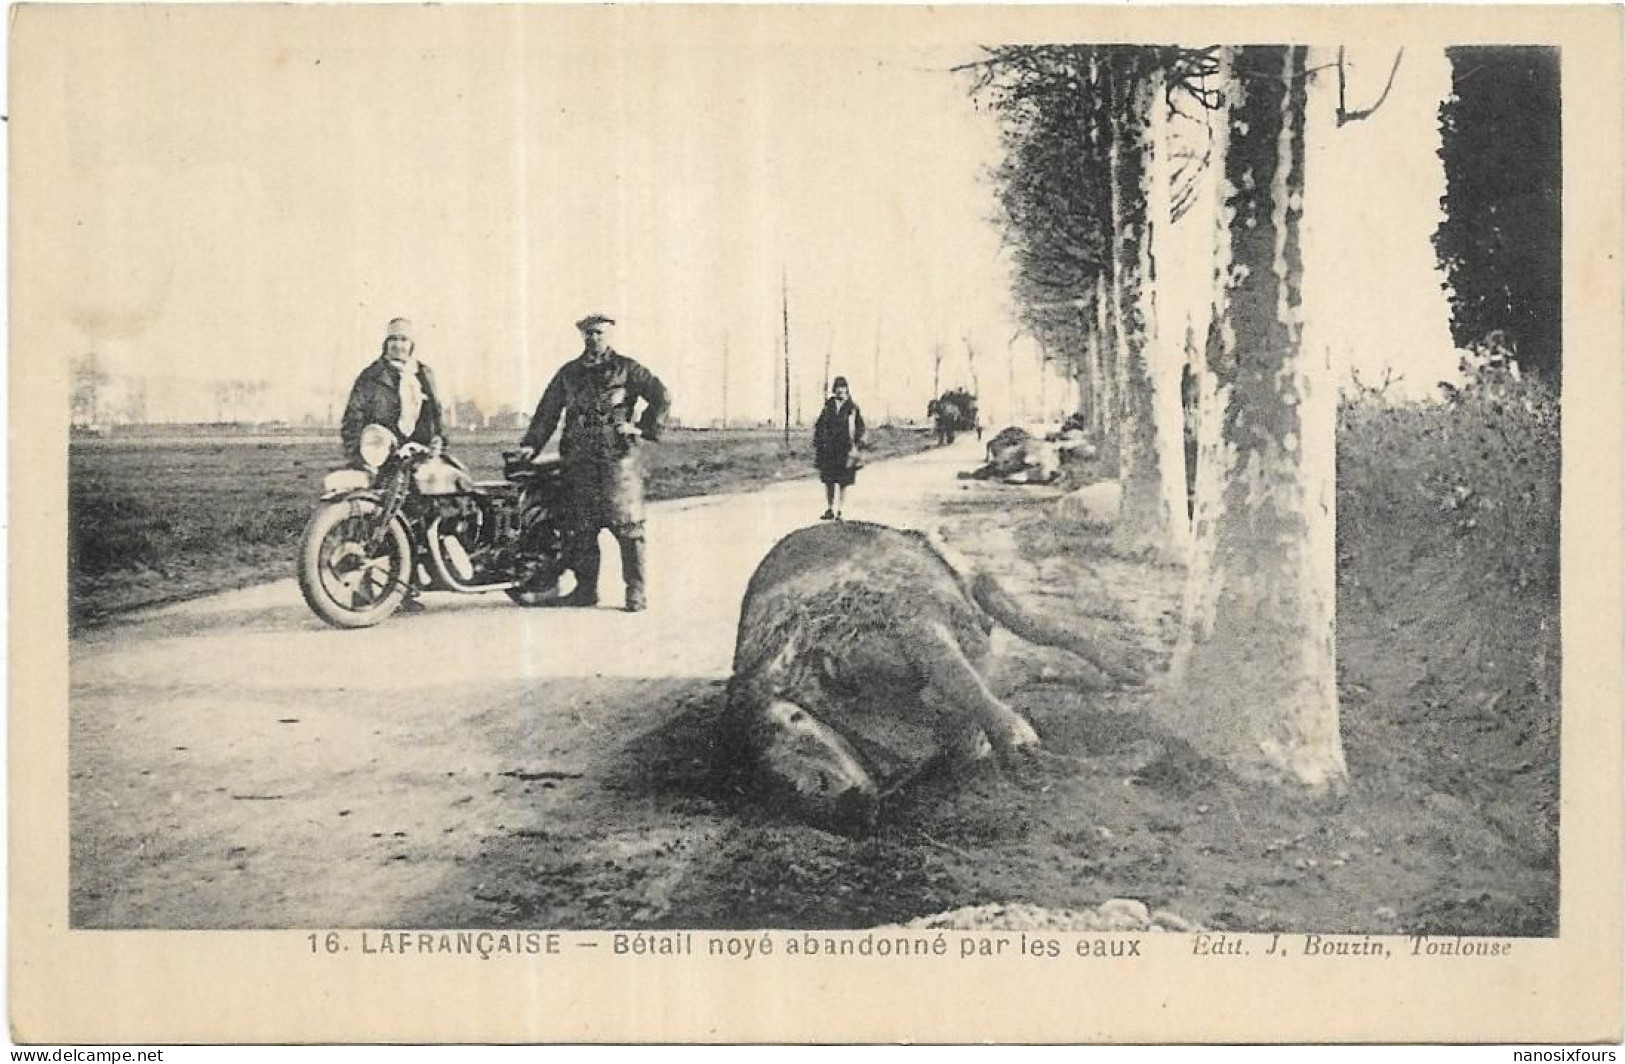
(1153, 516)
(1085, 368)
(1255, 673)
(1164, 359)
(1105, 423)
(1116, 280)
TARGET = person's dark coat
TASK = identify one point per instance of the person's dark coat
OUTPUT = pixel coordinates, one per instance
(375, 399)
(836, 438)
(603, 470)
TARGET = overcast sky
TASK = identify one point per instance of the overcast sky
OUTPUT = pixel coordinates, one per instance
(256, 199)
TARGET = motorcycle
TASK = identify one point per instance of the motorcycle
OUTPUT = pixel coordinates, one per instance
(414, 517)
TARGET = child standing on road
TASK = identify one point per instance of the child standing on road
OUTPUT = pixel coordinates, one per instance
(836, 440)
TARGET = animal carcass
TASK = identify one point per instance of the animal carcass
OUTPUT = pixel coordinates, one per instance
(860, 661)
(1004, 451)
(1016, 456)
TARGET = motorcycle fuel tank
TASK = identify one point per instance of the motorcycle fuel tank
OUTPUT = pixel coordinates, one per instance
(439, 477)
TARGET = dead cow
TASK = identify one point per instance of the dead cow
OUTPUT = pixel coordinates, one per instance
(1016, 456)
(860, 661)
(1007, 443)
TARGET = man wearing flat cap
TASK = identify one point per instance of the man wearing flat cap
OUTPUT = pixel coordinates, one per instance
(396, 391)
(597, 394)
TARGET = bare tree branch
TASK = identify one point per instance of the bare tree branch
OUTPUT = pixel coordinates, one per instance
(1344, 116)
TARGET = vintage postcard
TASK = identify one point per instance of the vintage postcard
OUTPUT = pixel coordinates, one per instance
(814, 524)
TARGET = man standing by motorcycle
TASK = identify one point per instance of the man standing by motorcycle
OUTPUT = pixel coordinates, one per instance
(395, 391)
(597, 394)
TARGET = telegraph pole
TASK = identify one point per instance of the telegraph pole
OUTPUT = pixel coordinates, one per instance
(784, 292)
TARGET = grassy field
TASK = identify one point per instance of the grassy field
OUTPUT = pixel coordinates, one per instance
(1449, 642)
(156, 518)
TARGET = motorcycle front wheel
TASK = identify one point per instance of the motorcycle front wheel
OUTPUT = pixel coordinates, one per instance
(347, 581)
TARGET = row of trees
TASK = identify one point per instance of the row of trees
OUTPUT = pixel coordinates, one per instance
(99, 397)
(1106, 148)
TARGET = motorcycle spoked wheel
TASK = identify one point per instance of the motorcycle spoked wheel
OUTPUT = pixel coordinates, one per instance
(346, 582)
(540, 590)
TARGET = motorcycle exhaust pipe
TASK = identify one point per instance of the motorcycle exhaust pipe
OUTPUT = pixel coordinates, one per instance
(449, 572)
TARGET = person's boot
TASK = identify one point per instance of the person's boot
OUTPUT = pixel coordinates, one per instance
(634, 555)
(585, 566)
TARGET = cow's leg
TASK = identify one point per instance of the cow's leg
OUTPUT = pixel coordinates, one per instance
(1013, 616)
(964, 741)
(949, 672)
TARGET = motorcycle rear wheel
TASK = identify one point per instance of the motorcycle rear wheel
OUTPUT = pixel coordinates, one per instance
(344, 581)
(538, 593)
(543, 554)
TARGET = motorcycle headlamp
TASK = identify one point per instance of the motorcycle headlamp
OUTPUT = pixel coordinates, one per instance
(377, 443)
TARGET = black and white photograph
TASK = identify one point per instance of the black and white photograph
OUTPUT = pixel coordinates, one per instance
(1095, 495)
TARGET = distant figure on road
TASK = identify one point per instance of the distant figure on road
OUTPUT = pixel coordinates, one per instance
(597, 393)
(837, 437)
(395, 391)
(942, 421)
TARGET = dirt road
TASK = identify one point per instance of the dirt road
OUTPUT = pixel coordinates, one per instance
(235, 763)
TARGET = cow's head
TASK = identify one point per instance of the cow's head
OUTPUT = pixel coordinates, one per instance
(808, 767)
